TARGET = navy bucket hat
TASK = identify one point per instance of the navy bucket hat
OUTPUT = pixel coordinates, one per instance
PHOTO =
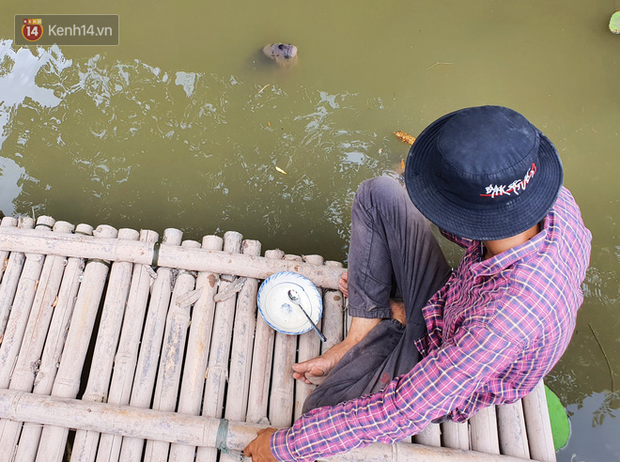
(483, 173)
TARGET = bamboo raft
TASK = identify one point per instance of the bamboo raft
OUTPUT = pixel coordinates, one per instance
(117, 347)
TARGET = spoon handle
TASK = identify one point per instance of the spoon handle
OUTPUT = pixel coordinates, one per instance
(323, 338)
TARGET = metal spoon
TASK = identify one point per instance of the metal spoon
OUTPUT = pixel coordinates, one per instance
(294, 296)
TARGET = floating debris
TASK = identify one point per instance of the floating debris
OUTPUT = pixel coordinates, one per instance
(404, 137)
(283, 54)
(439, 63)
(614, 23)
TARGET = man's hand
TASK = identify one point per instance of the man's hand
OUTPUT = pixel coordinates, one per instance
(259, 448)
(343, 283)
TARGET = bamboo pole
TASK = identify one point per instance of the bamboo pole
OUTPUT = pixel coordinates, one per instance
(217, 372)
(127, 354)
(538, 424)
(282, 400)
(241, 352)
(35, 333)
(455, 435)
(108, 418)
(20, 308)
(430, 436)
(11, 276)
(193, 381)
(243, 339)
(309, 347)
(152, 337)
(247, 265)
(195, 430)
(54, 344)
(483, 427)
(512, 431)
(119, 281)
(4, 254)
(171, 362)
(407, 452)
(258, 397)
(256, 267)
(333, 314)
(67, 381)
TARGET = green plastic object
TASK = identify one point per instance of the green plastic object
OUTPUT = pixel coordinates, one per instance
(614, 23)
(560, 425)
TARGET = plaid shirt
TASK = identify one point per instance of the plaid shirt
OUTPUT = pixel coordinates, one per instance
(494, 330)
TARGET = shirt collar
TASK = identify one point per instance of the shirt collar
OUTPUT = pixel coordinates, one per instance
(505, 259)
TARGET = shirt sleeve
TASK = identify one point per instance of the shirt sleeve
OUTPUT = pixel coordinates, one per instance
(435, 386)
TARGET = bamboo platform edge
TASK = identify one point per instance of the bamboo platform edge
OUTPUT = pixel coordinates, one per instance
(160, 255)
(175, 270)
(196, 430)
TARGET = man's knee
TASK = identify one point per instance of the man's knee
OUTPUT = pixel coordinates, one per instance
(380, 190)
(389, 198)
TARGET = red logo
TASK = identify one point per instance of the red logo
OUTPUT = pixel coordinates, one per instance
(32, 29)
(519, 185)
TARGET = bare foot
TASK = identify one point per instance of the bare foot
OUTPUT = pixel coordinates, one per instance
(315, 370)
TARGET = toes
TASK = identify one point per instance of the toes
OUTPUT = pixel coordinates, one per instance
(316, 372)
(299, 367)
(315, 380)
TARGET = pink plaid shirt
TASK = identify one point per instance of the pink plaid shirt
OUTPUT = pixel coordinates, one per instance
(494, 330)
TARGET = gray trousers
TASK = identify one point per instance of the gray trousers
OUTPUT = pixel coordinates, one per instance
(392, 254)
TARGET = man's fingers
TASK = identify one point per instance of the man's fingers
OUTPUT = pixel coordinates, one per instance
(259, 448)
(343, 283)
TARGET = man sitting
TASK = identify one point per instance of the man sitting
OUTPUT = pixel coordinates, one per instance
(427, 343)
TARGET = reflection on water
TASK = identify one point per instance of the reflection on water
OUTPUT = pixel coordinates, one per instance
(187, 80)
(129, 144)
(17, 80)
(10, 189)
(592, 440)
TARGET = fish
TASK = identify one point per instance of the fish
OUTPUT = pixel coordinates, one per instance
(404, 137)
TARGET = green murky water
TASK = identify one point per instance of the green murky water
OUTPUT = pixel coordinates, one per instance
(184, 123)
